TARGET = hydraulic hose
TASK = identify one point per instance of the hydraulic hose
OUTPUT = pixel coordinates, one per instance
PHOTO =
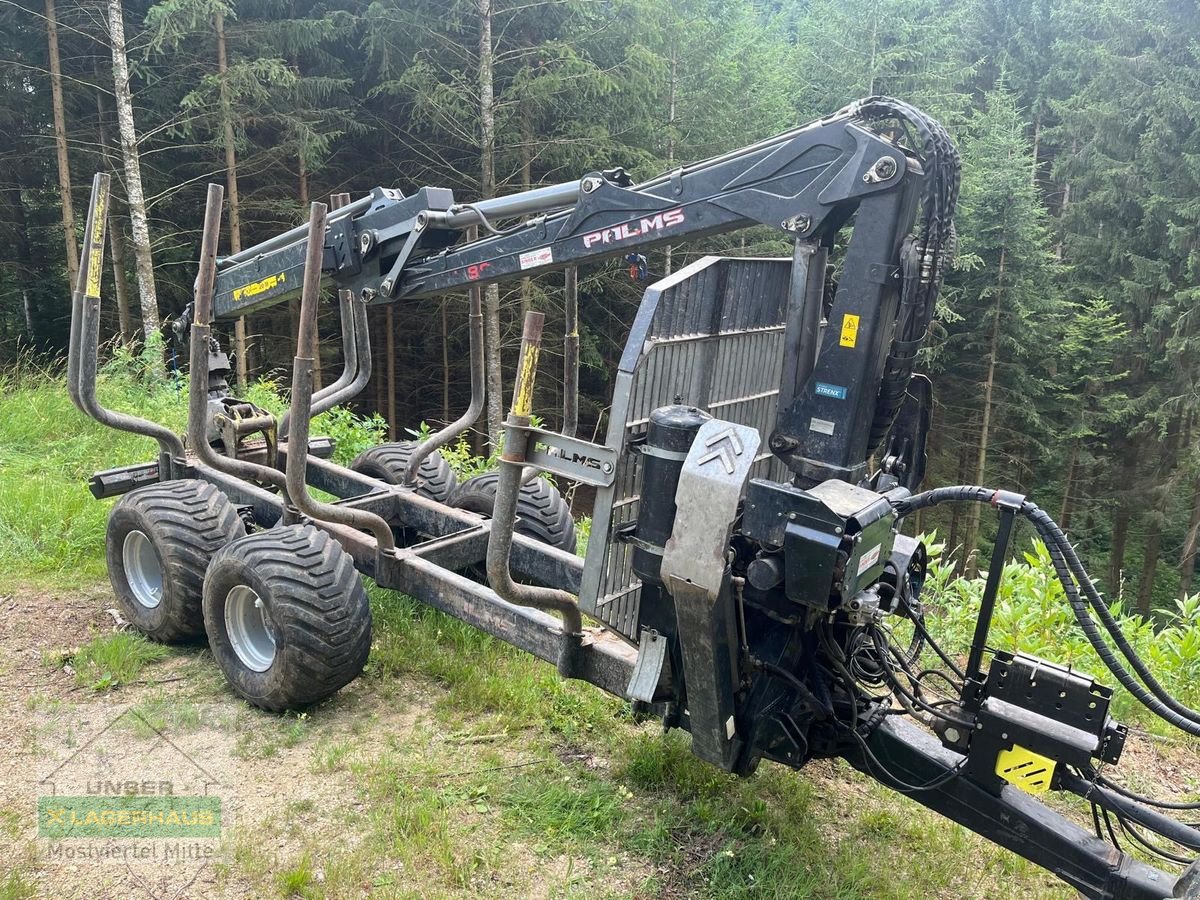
(1067, 564)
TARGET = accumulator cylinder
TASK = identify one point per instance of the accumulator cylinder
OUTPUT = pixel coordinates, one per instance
(668, 439)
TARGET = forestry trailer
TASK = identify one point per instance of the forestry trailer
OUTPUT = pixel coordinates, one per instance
(747, 578)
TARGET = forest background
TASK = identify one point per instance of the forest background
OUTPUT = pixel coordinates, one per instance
(1064, 356)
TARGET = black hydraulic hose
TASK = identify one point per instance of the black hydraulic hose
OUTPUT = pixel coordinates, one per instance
(1184, 835)
(1066, 563)
(1142, 798)
(806, 694)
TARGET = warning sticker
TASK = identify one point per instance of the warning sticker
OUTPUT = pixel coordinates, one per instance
(821, 426)
(849, 330)
(533, 258)
(868, 559)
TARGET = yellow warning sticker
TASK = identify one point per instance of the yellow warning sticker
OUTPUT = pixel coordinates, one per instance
(249, 291)
(95, 250)
(849, 330)
(95, 270)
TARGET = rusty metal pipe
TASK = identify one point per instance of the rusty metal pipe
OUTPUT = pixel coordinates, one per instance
(340, 390)
(301, 409)
(441, 438)
(512, 461)
(84, 350)
(201, 342)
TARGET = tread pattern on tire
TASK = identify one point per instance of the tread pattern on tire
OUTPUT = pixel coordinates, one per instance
(388, 462)
(318, 606)
(188, 521)
(542, 513)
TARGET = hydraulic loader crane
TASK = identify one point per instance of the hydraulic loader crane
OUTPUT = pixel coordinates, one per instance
(747, 577)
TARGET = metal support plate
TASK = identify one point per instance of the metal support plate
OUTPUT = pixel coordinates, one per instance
(711, 484)
(696, 571)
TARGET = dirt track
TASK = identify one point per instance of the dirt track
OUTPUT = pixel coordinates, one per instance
(287, 785)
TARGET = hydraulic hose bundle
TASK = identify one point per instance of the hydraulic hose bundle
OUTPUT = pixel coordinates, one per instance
(925, 258)
(1074, 578)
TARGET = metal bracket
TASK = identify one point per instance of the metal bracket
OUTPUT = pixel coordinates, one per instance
(571, 457)
(711, 483)
(233, 420)
(652, 655)
(387, 287)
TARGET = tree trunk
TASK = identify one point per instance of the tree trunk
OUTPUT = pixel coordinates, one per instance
(570, 351)
(1064, 516)
(116, 237)
(1187, 561)
(487, 188)
(144, 262)
(953, 543)
(1116, 555)
(445, 362)
(60, 146)
(1150, 561)
(672, 90)
(526, 184)
(1066, 203)
(231, 188)
(495, 375)
(116, 240)
(985, 428)
(28, 309)
(24, 268)
(1037, 139)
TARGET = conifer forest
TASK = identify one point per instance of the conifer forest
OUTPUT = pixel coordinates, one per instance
(1064, 353)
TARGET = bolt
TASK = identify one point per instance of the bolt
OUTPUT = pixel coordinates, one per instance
(386, 288)
(952, 735)
(364, 242)
(606, 468)
(885, 168)
(590, 183)
(796, 224)
(837, 529)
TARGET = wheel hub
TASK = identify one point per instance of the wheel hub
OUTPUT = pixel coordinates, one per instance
(251, 632)
(143, 569)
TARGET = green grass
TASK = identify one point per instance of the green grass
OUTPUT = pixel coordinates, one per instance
(114, 659)
(16, 886)
(297, 881)
(161, 712)
(508, 754)
(51, 530)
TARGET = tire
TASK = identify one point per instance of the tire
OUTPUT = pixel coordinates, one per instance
(287, 617)
(387, 462)
(541, 511)
(159, 542)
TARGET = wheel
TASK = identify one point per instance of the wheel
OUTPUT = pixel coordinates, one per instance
(159, 542)
(287, 617)
(541, 511)
(387, 462)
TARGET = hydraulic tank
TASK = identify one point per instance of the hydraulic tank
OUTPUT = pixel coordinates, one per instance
(668, 439)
